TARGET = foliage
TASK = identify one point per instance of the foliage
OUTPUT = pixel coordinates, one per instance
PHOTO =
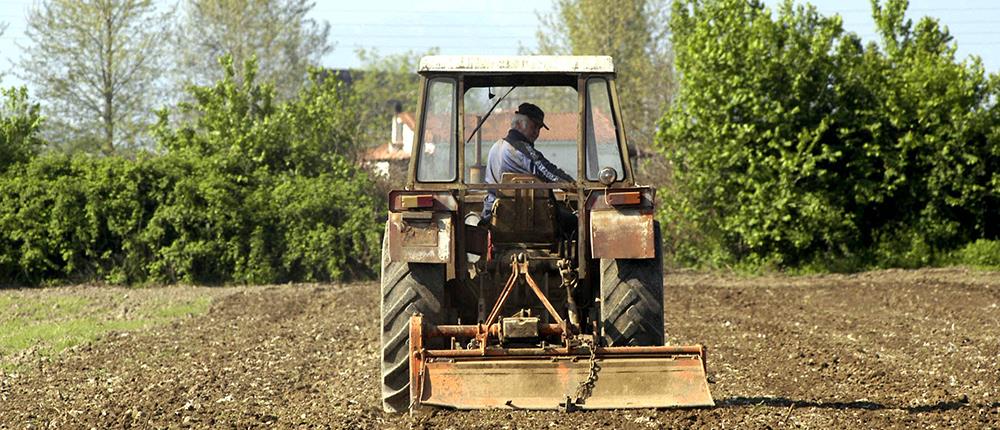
(383, 84)
(248, 191)
(19, 124)
(305, 212)
(981, 253)
(793, 144)
(276, 32)
(3, 29)
(635, 34)
(96, 66)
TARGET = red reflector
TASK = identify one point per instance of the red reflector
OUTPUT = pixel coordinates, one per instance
(625, 198)
(413, 202)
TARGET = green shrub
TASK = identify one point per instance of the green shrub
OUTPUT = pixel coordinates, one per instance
(19, 123)
(981, 253)
(793, 145)
(64, 217)
(247, 192)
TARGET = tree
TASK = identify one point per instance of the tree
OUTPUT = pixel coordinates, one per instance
(384, 84)
(276, 32)
(19, 122)
(635, 34)
(3, 28)
(794, 144)
(96, 65)
(274, 198)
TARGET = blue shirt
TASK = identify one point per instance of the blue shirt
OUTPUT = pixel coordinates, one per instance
(506, 157)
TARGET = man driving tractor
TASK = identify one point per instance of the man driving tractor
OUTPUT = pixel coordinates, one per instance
(516, 153)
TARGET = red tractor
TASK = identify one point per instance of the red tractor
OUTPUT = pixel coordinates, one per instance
(521, 311)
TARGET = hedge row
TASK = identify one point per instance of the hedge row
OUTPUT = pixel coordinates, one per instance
(244, 191)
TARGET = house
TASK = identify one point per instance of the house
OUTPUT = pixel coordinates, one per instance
(391, 159)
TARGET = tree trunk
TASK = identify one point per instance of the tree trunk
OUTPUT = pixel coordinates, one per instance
(108, 146)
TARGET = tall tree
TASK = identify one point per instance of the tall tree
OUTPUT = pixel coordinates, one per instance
(635, 33)
(3, 28)
(385, 84)
(794, 144)
(19, 122)
(277, 32)
(96, 65)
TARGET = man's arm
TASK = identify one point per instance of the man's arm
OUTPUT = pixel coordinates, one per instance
(544, 169)
(526, 159)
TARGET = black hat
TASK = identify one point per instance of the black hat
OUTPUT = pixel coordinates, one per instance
(534, 112)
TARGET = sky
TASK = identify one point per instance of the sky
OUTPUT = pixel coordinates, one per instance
(501, 27)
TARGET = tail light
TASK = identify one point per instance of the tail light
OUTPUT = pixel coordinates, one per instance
(402, 201)
(417, 201)
(623, 198)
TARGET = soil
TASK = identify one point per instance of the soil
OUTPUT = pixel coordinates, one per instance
(890, 349)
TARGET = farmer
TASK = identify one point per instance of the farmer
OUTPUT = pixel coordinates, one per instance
(516, 153)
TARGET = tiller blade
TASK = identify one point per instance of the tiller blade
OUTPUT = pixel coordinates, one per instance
(549, 377)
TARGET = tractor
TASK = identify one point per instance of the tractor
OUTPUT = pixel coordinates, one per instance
(525, 310)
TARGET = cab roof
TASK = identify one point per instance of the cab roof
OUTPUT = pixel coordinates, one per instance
(517, 63)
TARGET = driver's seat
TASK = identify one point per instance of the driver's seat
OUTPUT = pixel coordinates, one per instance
(523, 215)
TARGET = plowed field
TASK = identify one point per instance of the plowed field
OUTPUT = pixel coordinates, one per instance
(890, 349)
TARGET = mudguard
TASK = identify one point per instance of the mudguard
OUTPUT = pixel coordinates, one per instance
(421, 227)
(621, 223)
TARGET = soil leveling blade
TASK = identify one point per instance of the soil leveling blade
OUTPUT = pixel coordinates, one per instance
(549, 378)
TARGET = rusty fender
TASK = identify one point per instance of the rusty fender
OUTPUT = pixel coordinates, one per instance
(621, 223)
(420, 237)
(421, 234)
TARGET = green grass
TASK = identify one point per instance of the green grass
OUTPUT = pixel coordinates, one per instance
(46, 322)
(197, 306)
(46, 308)
(53, 337)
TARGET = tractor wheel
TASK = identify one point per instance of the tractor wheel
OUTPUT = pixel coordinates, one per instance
(632, 299)
(407, 288)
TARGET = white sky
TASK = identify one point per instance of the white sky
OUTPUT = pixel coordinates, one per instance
(502, 26)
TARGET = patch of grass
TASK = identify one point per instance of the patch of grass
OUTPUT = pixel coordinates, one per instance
(48, 308)
(48, 321)
(55, 336)
(197, 306)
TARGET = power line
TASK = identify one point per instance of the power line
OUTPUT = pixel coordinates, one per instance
(914, 10)
(363, 24)
(418, 36)
(411, 13)
(434, 45)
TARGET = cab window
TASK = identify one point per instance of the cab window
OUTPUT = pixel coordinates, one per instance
(603, 149)
(436, 152)
(558, 144)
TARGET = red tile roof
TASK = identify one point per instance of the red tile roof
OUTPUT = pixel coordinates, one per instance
(563, 127)
(383, 153)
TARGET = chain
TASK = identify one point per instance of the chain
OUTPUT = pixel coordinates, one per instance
(586, 387)
(570, 279)
(569, 275)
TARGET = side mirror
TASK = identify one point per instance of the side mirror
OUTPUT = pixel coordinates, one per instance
(607, 176)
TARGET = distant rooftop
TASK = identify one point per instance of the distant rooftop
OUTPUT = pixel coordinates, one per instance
(518, 63)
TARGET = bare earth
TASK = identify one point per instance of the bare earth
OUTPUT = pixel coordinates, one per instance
(891, 349)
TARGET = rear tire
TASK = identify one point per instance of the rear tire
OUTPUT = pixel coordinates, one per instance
(632, 299)
(407, 288)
